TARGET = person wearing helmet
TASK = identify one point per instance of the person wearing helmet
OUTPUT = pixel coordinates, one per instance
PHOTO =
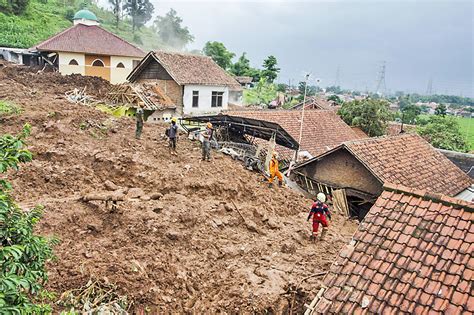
(173, 135)
(274, 171)
(139, 116)
(206, 143)
(319, 211)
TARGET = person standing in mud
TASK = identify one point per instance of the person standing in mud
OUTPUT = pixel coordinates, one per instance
(319, 211)
(206, 143)
(173, 135)
(139, 116)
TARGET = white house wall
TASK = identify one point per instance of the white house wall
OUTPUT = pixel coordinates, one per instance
(66, 68)
(205, 96)
(119, 75)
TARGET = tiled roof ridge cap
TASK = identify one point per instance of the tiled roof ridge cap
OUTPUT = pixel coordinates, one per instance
(180, 53)
(426, 195)
(371, 139)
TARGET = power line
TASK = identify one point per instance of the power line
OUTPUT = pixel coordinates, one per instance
(337, 82)
(429, 89)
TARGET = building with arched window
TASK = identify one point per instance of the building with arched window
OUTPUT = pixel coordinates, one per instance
(88, 49)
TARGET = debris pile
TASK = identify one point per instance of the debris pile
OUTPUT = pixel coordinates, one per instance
(188, 236)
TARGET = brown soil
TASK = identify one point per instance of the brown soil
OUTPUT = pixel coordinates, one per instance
(188, 251)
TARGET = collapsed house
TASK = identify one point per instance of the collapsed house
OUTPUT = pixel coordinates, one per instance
(87, 49)
(412, 254)
(322, 129)
(195, 84)
(362, 167)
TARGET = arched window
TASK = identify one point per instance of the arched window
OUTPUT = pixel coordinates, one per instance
(98, 63)
(120, 65)
(73, 62)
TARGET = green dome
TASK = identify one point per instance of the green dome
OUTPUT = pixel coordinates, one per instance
(85, 14)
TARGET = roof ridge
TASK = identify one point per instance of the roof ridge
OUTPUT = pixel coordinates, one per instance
(180, 53)
(425, 194)
(115, 35)
(372, 139)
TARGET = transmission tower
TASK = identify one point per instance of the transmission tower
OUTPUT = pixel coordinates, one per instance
(337, 82)
(381, 80)
(429, 89)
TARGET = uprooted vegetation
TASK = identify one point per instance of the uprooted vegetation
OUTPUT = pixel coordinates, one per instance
(184, 235)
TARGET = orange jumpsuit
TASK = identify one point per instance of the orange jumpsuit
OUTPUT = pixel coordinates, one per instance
(274, 171)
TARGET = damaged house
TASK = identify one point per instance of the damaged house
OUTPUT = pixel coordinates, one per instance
(362, 167)
(412, 254)
(87, 49)
(196, 84)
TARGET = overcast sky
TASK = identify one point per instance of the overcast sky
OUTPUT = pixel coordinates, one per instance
(418, 40)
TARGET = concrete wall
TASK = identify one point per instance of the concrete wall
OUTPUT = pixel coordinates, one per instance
(119, 75)
(236, 97)
(64, 66)
(98, 71)
(205, 95)
(340, 168)
(160, 116)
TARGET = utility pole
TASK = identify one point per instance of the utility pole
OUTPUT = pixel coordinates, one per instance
(381, 80)
(295, 159)
(429, 89)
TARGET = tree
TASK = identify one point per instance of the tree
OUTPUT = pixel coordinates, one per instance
(219, 53)
(23, 255)
(404, 101)
(370, 115)
(16, 7)
(440, 110)
(336, 99)
(270, 70)
(281, 87)
(117, 10)
(444, 133)
(410, 114)
(171, 32)
(311, 90)
(140, 11)
(242, 66)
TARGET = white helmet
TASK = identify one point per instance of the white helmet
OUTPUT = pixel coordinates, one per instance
(321, 197)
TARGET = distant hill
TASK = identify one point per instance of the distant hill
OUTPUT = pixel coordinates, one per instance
(45, 18)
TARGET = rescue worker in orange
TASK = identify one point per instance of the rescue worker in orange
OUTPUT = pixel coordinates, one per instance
(319, 211)
(274, 171)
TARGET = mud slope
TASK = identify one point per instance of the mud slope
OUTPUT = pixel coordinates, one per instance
(180, 245)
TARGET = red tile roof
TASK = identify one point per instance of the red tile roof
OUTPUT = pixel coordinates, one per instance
(407, 159)
(411, 254)
(360, 132)
(90, 39)
(188, 69)
(322, 129)
(394, 128)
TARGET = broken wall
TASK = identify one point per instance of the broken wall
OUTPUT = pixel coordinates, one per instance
(342, 169)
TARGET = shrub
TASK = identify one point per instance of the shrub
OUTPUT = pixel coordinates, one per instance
(8, 108)
(22, 254)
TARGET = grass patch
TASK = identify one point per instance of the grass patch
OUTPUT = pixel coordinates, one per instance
(467, 129)
(8, 108)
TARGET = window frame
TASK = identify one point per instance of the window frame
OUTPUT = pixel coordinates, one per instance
(217, 99)
(103, 63)
(120, 65)
(73, 62)
(195, 99)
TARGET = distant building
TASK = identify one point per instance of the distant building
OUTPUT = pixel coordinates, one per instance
(87, 49)
(196, 84)
(246, 82)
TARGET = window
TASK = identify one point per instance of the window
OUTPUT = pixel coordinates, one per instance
(98, 63)
(120, 65)
(216, 100)
(195, 98)
(73, 62)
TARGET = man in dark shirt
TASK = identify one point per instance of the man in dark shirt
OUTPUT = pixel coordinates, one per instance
(139, 116)
(173, 135)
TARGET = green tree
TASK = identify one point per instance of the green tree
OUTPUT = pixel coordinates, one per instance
(440, 110)
(219, 53)
(22, 254)
(410, 114)
(370, 115)
(444, 133)
(270, 69)
(281, 87)
(336, 99)
(140, 11)
(242, 66)
(16, 7)
(404, 101)
(171, 32)
(116, 10)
